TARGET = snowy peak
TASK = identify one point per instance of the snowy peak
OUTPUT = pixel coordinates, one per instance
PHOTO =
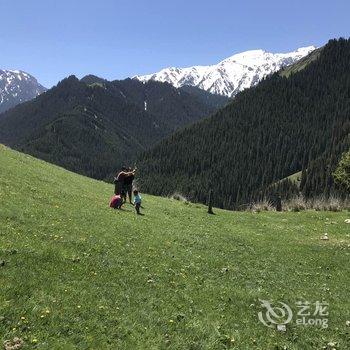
(16, 87)
(233, 74)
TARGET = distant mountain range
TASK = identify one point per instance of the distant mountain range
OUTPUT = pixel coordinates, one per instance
(226, 78)
(297, 121)
(93, 126)
(16, 87)
(232, 75)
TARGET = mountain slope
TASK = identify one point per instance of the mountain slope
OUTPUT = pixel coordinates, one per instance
(76, 274)
(93, 126)
(210, 99)
(301, 64)
(232, 75)
(17, 87)
(280, 127)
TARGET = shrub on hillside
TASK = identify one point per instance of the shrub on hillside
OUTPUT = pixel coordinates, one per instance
(300, 203)
(297, 203)
(263, 205)
(342, 173)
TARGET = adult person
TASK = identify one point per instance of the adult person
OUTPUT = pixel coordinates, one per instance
(128, 185)
(119, 181)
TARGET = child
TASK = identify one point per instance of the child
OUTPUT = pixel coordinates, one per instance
(137, 201)
(116, 202)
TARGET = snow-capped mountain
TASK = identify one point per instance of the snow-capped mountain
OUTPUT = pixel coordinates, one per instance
(231, 75)
(16, 87)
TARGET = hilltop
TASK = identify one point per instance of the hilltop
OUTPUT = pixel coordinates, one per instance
(77, 275)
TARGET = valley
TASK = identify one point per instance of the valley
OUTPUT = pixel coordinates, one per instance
(175, 175)
(286, 124)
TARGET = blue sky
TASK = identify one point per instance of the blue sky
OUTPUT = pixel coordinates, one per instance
(115, 39)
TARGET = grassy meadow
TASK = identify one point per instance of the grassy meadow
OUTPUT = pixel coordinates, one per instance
(75, 274)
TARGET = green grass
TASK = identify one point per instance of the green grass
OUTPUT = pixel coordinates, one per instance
(78, 275)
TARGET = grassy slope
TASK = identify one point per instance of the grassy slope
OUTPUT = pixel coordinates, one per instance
(296, 178)
(301, 64)
(79, 275)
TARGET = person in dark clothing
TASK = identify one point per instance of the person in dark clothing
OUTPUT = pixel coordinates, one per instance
(119, 181)
(128, 186)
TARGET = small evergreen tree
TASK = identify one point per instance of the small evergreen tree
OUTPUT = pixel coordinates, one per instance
(342, 173)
